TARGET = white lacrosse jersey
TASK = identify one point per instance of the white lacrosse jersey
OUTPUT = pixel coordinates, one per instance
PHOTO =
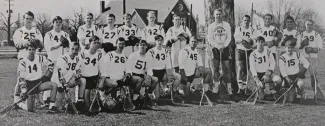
(22, 35)
(66, 66)
(32, 70)
(241, 33)
(52, 38)
(161, 59)
(289, 65)
(189, 59)
(114, 65)
(315, 40)
(261, 62)
(86, 33)
(219, 34)
(126, 31)
(149, 33)
(268, 34)
(110, 35)
(139, 64)
(90, 63)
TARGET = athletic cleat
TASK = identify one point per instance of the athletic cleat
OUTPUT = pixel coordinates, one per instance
(53, 110)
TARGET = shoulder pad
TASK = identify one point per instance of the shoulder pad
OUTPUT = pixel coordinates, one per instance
(65, 59)
(282, 58)
(187, 51)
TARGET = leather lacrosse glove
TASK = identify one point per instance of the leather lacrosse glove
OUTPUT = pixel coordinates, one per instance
(302, 72)
(64, 42)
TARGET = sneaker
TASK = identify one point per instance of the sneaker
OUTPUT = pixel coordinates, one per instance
(53, 110)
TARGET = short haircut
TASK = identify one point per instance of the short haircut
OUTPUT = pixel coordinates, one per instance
(29, 13)
(151, 12)
(175, 15)
(120, 39)
(56, 18)
(111, 15)
(291, 41)
(90, 14)
(126, 15)
(290, 18)
(93, 38)
(260, 38)
(75, 44)
(158, 37)
(143, 42)
(309, 20)
(184, 35)
(247, 16)
(268, 15)
(219, 9)
(33, 45)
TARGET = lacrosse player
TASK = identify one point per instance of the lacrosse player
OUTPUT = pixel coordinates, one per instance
(110, 33)
(243, 35)
(161, 59)
(290, 30)
(31, 80)
(90, 62)
(290, 70)
(139, 65)
(310, 45)
(190, 65)
(219, 37)
(86, 31)
(262, 63)
(129, 32)
(149, 32)
(173, 39)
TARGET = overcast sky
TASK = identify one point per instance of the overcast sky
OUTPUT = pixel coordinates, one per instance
(66, 7)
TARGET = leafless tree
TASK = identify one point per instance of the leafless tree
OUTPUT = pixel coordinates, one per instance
(43, 23)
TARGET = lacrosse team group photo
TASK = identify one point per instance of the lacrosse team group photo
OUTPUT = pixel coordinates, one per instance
(162, 62)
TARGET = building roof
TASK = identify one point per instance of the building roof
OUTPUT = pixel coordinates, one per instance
(143, 14)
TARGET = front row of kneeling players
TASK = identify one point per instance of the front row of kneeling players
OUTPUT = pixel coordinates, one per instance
(144, 69)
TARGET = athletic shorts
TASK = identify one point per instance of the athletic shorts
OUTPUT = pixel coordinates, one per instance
(241, 56)
(225, 53)
(139, 75)
(31, 84)
(176, 69)
(91, 82)
(190, 78)
(159, 74)
(292, 77)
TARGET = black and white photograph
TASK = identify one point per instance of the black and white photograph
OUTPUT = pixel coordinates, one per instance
(162, 62)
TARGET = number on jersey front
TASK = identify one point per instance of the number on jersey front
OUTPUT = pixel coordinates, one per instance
(141, 65)
(310, 38)
(119, 59)
(127, 32)
(268, 33)
(56, 38)
(160, 57)
(34, 68)
(71, 66)
(153, 32)
(247, 34)
(291, 62)
(29, 36)
(261, 59)
(193, 56)
(93, 61)
(109, 35)
(88, 33)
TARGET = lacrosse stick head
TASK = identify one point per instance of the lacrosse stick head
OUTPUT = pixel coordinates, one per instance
(109, 104)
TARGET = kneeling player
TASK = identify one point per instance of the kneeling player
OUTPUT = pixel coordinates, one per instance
(262, 64)
(190, 65)
(290, 69)
(140, 67)
(162, 64)
(67, 75)
(31, 80)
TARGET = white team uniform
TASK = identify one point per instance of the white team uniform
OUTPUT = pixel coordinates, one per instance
(173, 32)
(114, 65)
(110, 35)
(86, 33)
(189, 60)
(315, 40)
(125, 32)
(268, 34)
(52, 38)
(137, 64)
(90, 63)
(149, 33)
(67, 66)
(261, 62)
(219, 35)
(241, 33)
(22, 35)
(289, 65)
(294, 33)
(160, 59)
(32, 70)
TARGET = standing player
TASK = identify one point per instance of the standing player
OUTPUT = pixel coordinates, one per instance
(219, 37)
(242, 35)
(262, 63)
(86, 31)
(290, 30)
(190, 65)
(161, 59)
(31, 80)
(139, 65)
(290, 70)
(173, 39)
(127, 31)
(90, 60)
(150, 31)
(310, 46)
(110, 33)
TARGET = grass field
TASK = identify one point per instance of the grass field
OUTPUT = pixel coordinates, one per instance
(220, 114)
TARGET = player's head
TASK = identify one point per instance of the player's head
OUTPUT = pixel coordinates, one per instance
(184, 37)
(57, 22)
(260, 42)
(120, 43)
(127, 18)
(143, 46)
(193, 41)
(176, 20)
(290, 22)
(28, 18)
(74, 48)
(111, 19)
(89, 18)
(31, 48)
(151, 16)
(290, 44)
(268, 19)
(246, 20)
(309, 24)
(94, 42)
(218, 14)
(159, 40)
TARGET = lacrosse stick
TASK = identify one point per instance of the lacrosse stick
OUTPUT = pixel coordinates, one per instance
(172, 83)
(255, 94)
(69, 100)
(127, 102)
(285, 93)
(316, 86)
(204, 95)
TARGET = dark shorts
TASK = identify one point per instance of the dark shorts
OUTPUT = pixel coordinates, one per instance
(225, 54)
(159, 74)
(31, 84)
(139, 75)
(91, 82)
(190, 78)
(292, 77)
(176, 69)
(241, 56)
